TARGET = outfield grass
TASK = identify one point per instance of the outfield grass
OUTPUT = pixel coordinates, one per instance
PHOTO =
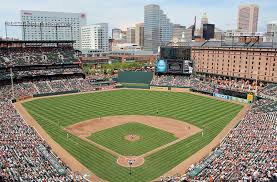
(55, 113)
(150, 138)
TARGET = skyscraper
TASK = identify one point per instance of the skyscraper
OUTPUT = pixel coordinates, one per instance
(248, 18)
(165, 29)
(140, 34)
(208, 31)
(177, 32)
(116, 33)
(272, 30)
(204, 20)
(157, 28)
(95, 37)
(76, 20)
(131, 35)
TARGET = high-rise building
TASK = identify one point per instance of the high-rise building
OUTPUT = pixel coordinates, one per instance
(116, 33)
(178, 32)
(123, 35)
(151, 27)
(208, 31)
(140, 34)
(73, 32)
(165, 29)
(131, 35)
(248, 18)
(95, 37)
(272, 31)
(188, 34)
(204, 20)
(218, 34)
(157, 28)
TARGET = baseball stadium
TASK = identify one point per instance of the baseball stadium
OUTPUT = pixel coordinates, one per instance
(62, 120)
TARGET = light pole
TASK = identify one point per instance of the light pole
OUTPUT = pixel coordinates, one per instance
(130, 162)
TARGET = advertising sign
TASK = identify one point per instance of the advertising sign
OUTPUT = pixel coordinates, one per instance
(161, 66)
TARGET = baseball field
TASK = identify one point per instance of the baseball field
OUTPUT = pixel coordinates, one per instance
(98, 147)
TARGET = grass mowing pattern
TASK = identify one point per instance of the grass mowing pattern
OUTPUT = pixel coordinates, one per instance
(150, 138)
(53, 114)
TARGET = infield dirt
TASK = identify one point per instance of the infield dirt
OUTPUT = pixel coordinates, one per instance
(81, 132)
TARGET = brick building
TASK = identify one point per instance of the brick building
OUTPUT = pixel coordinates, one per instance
(236, 62)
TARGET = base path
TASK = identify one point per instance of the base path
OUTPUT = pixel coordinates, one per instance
(85, 129)
(66, 157)
(198, 156)
(179, 128)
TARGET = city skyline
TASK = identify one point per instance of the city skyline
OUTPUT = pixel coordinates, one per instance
(126, 13)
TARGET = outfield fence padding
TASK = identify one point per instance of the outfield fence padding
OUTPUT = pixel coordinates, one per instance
(135, 77)
(56, 93)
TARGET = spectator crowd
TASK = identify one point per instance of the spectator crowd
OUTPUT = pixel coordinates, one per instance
(22, 56)
(20, 157)
(247, 153)
(206, 84)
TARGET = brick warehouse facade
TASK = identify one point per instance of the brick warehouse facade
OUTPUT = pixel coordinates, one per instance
(237, 62)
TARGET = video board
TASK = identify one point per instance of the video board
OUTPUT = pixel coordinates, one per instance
(174, 66)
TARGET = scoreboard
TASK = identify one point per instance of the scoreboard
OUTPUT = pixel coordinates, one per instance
(174, 60)
(177, 53)
(174, 66)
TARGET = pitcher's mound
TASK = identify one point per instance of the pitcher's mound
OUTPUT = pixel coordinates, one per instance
(126, 160)
(132, 138)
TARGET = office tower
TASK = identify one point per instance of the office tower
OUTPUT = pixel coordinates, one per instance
(178, 32)
(165, 29)
(208, 31)
(248, 18)
(204, 20)
(116, 33)
(131, 35)
(140, 34)
(218, 34)
(272, 31)
(95, 37)
(45, 32)
(157, 28)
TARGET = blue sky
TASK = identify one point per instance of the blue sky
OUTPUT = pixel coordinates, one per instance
(124, 13)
